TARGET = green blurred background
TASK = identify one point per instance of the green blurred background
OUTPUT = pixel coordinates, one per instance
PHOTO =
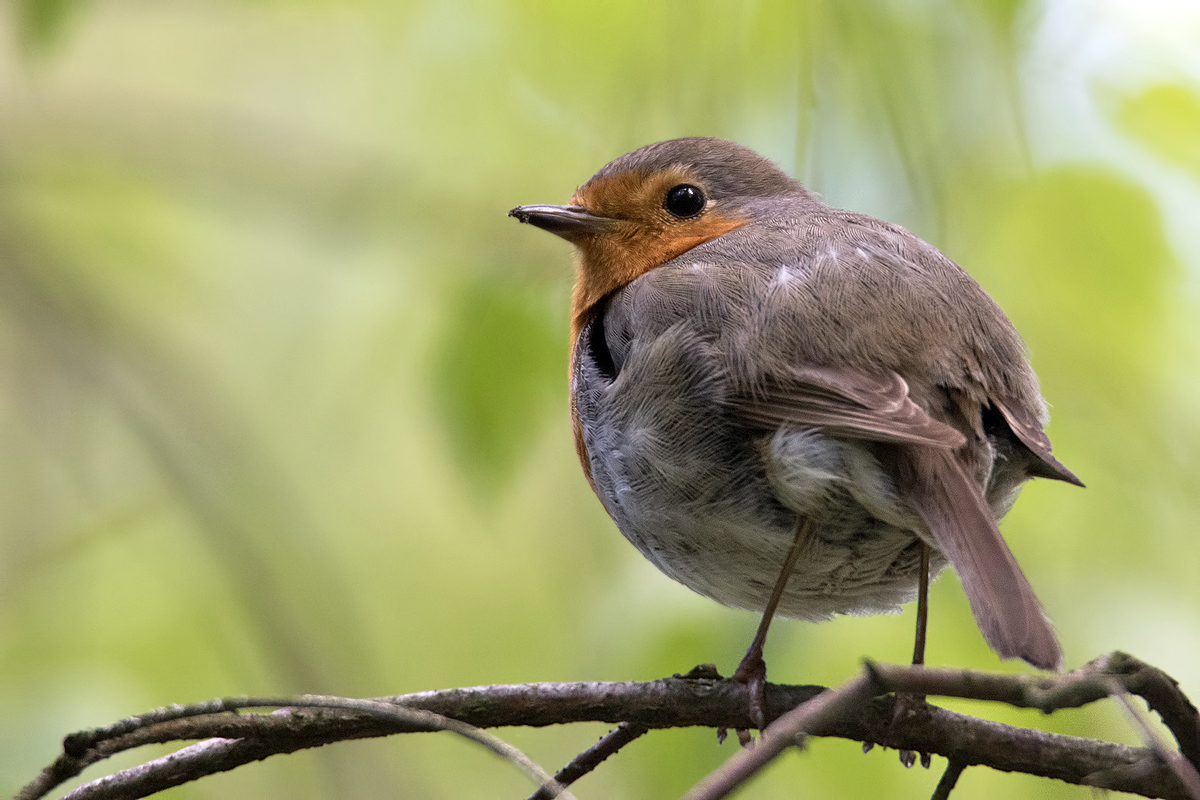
(282, 390)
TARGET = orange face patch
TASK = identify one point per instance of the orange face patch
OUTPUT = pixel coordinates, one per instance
(643, 234)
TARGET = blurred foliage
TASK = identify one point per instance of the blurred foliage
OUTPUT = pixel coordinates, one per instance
(499, 358)
(41, 22)
(283, 391)
(1166, 120)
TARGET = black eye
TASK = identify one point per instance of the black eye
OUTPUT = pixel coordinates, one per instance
(684, 201)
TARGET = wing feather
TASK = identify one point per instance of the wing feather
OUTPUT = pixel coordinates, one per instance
(853, 403)
(1029, 431)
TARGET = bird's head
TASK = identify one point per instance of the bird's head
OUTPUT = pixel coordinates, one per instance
(654, 204)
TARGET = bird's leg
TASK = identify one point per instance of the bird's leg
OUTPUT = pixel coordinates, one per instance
(753, 669)
(922, 608)
(907, 702)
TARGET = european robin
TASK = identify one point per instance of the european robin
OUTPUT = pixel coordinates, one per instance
(793, 408)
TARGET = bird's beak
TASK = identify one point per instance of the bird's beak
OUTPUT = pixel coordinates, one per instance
(570, 222)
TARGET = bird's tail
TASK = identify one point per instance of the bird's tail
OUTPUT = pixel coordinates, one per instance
(964, 530)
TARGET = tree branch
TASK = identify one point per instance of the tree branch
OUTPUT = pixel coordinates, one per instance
(1100, 678)
(858, 712)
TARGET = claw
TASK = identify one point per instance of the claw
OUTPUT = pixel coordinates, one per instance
(753, 672)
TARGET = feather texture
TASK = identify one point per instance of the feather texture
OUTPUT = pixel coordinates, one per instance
(768, 359)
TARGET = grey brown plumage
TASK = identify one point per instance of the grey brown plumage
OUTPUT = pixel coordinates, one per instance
(769, 359)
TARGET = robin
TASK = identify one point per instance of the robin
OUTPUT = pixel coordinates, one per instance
(792, 408)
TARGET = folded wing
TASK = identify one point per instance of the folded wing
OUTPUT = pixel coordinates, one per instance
(929, 474)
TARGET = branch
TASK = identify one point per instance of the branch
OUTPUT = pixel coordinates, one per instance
(698, 699)
(1099, 679)
(591, 758)
(76, 747)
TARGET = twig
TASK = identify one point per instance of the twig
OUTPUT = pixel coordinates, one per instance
(949, 779)
(76, 744)
(1087, 684)
(591, 758)
(1179, 765)
(781, 734)
(1161, 692)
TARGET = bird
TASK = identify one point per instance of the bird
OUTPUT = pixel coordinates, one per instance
(792, 408)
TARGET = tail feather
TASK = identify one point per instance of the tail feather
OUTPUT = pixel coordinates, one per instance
(964, 530)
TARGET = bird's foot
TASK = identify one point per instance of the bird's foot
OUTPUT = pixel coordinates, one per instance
(908, 705)
(753, 672)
